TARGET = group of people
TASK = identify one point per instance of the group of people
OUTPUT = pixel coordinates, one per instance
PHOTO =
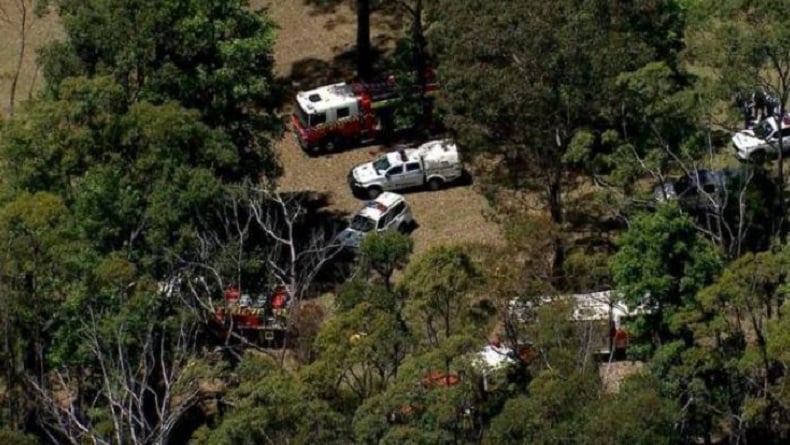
(757, 105)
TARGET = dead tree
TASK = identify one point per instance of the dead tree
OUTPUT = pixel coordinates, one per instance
(297, 252)
(258, 224)
(143, 390)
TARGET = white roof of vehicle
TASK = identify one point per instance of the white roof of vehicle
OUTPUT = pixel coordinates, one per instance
(438, 148)
(374, 209)
(591, 306)
(326, 97)
(401, 155)
(433, 151)
(494, 357)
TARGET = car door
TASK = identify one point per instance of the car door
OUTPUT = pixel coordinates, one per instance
(396, 216)
(413, 174)
(395, 177)
(385, 221)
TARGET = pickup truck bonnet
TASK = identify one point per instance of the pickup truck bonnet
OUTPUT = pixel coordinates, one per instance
(366, 173)
(745, 140)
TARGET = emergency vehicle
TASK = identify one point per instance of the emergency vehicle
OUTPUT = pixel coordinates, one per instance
(603, 314)
(432, 164)
(389, 211)
(347, 114)
(262, 320)
(761, 142)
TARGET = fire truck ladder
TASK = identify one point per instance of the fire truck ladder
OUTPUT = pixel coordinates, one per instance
(377, 91)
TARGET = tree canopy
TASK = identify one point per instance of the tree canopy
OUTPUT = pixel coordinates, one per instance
(147, 247)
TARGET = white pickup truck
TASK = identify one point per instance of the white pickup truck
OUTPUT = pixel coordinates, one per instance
(762, 142)
(432, 164)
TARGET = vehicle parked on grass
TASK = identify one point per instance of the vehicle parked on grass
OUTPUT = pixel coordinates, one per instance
(762, 141)
(343, 114)
(432, 164)
(389, 211)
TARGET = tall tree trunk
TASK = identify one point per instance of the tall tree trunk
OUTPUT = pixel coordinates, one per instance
(420, 62)
(364, 69)
(780, 173)
(22, 6)
(554, 191)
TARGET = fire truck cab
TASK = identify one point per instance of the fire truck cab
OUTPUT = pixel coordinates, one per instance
(330, 116)
(349, 114)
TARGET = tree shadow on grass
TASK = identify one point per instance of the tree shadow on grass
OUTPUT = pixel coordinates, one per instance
(387, 18)
(312, 72)
(318, 7)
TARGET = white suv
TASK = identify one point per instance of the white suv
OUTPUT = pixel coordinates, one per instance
(389, 211)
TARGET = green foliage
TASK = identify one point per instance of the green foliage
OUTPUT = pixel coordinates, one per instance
(379, 256)
(16, 438)
(270, 405)
(729, 371)
(743, 46)
(550, 414)
(212, 57)
(385, 252)
(413, 409)
(662, 263)
(661, 114)
(637, 414)
(543, 113)
(437, 285)
(360, 350)
(133, 177)
(154, 110)
(587, 272)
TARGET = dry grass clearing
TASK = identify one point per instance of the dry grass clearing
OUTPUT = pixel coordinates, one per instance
(37, 31)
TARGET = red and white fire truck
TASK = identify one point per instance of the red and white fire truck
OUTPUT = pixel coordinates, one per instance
(262, 320)
(348, 114)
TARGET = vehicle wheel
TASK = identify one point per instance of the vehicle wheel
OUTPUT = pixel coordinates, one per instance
(330, 146)
(314, 150)
(435, 184)
(374, 192)
(408, 226)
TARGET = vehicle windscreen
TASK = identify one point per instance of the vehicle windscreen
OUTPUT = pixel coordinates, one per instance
(381, 164)
(763, 130)
(301, 115)
(362, 223)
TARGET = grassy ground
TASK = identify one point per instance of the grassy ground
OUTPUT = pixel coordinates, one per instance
(38, 30)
